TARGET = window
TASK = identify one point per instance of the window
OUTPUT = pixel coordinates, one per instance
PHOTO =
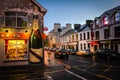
(117, 31)
(72, 37)
(106, 33)
(88, 36)
(16, 50)
(76, 37)
(97, 24)
(117, 17)
(84, 36)
(16, 19)
(97, 35)
(81, 46)
(105, 20)
(80, 36)
(84, 46)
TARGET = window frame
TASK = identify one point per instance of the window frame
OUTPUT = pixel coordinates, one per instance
(117, 17)
(17, 16)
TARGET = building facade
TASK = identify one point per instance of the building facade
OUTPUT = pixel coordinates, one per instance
(21, 28)
(106, 30)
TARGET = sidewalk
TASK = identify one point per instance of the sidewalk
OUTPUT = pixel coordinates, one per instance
(50, 64)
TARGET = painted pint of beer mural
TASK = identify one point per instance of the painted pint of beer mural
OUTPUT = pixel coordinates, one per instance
(21, 29)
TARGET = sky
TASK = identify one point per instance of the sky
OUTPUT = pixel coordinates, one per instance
(74, 11)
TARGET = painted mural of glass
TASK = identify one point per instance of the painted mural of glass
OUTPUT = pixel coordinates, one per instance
(16, 50)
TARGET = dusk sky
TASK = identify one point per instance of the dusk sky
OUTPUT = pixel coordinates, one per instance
(74, 11)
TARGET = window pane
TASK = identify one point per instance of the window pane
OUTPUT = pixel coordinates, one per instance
(117, 17)
(10, 21)
(15, 50)
(22, 22)
(105, 20)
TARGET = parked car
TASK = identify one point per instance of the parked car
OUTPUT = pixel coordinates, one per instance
(106, 53)
(61, 53)
(80, 53)
(86, 52)
(69, 51)
(73, 52)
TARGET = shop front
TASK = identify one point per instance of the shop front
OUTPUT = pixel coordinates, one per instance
(14, 48)
(73, 45)
(21, 29)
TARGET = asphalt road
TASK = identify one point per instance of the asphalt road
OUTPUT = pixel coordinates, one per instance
(76, 68)
(84, 68)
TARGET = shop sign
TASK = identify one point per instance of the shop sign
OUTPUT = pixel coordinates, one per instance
(116, 42)
(73, 43)
(14, 35)
(105, 42)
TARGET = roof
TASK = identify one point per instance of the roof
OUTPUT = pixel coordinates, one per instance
(72, 31)
(84, 27)
(39, 5)
(111, 11)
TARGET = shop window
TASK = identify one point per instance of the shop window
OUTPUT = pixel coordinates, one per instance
(117, 16)
(16, 19)
(15, 50)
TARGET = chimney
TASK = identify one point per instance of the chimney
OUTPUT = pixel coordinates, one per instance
(77, 27)
(88, 22)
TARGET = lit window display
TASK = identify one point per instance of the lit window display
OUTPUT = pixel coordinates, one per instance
(16, 50)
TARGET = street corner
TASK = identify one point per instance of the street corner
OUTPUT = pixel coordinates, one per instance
(54, 66)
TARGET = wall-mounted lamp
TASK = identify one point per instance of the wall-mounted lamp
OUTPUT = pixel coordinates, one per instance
(26, 31)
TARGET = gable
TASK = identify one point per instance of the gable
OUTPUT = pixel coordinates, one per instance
(21, 5)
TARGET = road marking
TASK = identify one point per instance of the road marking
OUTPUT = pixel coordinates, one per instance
(76, 75)
(108, 69)
(83, 61)
(107, 78)
(55, 71)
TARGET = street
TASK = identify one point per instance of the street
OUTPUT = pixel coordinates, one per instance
(76, 68)
(84, 68)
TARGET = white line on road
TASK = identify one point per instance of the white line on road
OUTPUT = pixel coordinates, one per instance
(83, 61)
(76, 75)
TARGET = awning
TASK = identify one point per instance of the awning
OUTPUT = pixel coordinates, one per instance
(94, 42)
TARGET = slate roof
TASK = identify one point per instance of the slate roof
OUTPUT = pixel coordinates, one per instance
(72, 31)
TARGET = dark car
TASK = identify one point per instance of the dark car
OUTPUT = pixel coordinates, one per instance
(106, 53)
(61, 53)
(73, 52)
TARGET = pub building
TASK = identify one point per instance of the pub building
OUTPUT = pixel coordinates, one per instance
(21, 29)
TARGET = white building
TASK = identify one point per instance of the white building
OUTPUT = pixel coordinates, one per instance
(106, 30)
(84, 37)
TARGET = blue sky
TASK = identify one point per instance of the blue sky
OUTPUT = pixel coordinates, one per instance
(74, 11)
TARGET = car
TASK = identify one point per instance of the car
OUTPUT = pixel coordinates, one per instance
(86, 52)
(80, 53)
(69, 51)
(61, 53)
(106, 53)
(73, 52)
